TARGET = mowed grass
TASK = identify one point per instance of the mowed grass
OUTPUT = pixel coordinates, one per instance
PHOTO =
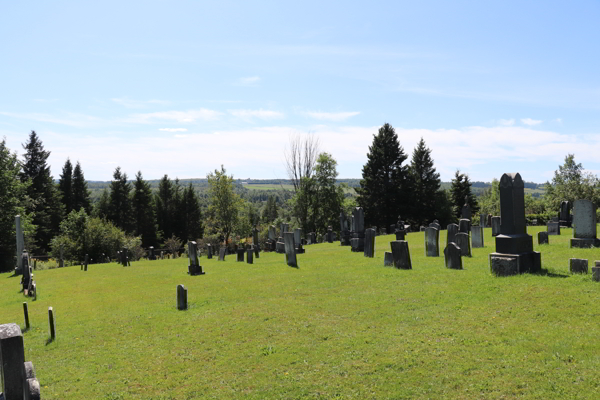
(340, 326)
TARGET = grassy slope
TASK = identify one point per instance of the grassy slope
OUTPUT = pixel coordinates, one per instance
(341, 325)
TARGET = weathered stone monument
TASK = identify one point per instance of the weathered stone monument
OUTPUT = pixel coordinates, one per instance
(290, 250)
(596, 271)
(194, 267)
(85, 262)
(298, 241)
(553, 228)
(388, 259)
(283, 229)
(452, 230)
(209, 251)
(466, 210)
(151, 253)
(464, 225)
(240, 254)
(399, 229)
(357, 242)
(344, 231)
(483, 220)
(564, 215)
(250, 254)
(20, 244)
(462, 241)
(181, 297)
(477, 237)
(496, 221)
(435, 224)
(17, 377)
(578, 265)
(272, 239)
(453, 256)
(543, 238)
(401, 254)
(369, 250)
(222, 251)
(255, 241)
(514, 247)
(312, 238)
(584, 224)
(432, 242)
(280, 246)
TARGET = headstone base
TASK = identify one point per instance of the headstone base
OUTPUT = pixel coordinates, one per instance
(584, 243)
(195, 270)
(502, 264)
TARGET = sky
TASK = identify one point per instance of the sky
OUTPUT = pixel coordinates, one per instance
(183, 87)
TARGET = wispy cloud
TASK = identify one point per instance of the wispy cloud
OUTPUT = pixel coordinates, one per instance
(331, 116)
(69, 119)
(178, 116)
(173, 129)
(506, 122)
(129, 103)
(531, 122)
(248, 81)
(262, 114)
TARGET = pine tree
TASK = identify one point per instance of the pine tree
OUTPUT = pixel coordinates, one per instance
(81, 194)
(143, 211)
(120, 207)
(191, 215)
(384, 191)
(47, 207)
(65, 186)
(102, 206)
(461, 188)
(425, 184)
(165, 206)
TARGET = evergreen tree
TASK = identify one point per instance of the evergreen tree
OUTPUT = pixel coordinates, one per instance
(270, 211)
(65, 186)
(461, 188)
(425, 184)
(81, 194)
(102, 206)
(384, 191)
(120, 205)
(191, 215)
(143, 211)
(165, 202)
(46, 206)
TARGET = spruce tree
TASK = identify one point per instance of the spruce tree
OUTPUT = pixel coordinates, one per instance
(191, 215)
(81, 195)
(165, 206)
(143, 211)
(65, 186)
(102, 207)
(425, 184)
(461, 188)
(46, 205)
(384, 191)
(120, 205)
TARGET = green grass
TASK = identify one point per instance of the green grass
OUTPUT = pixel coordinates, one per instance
(340, 326)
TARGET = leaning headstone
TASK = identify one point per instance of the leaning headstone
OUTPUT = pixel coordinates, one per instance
(290, 250)
(369, 250)
(565, 214)
(483, 220)
(462, 241)
(578, 265)
(514, 247)
(553, 228)
(51, 323)
(453, 256)
(12, 357)
(194, 267)
(543, 237)
(151, 253)
(496, 221)
(250, 255)
(388, 259)
(401, 254)
(584, 224)
(477, 237)
(452, 230)
(222, 254)
(209, 251)
(432, 242)
(464, 225)
(181, 297)
(20, 243)
(240, 254)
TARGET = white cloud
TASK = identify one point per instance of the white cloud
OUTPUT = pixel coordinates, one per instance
(173, 129)
(248, 81)
(69, 119)
(262, 114)
(531, 122)
(331, 116)
(129, 103)
(178, 116)
(506, 122)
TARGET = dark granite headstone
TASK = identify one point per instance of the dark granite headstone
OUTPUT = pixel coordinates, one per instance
(240, 254)
(477, 237)
(388, 259)
(432, 242)
(85, 263)
(401, 254)
(565, 214)
(464, 225)
(51, 323)
(578, 265)
(290, 250)
(462, 241)
(12, 356)
(358, 230)
(496, 221)
(466, 209)
(543, 238)
(553, 228)
(209, 251)
(584, 224)
(181, 297)
(344, 230)
(194, 267)
(452, 230)
(250, 255)
(596, 271)
(453, 256)
(435, 225)
(369, 250)
(222, 254)
(483, 220)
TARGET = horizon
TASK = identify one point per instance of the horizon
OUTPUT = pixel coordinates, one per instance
(181, 89)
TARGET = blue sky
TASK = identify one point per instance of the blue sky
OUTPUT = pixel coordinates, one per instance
(183, 87)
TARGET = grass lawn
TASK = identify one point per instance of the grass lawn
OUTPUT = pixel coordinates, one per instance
(340, 326)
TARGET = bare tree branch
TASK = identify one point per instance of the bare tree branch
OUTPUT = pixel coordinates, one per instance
(300, 157)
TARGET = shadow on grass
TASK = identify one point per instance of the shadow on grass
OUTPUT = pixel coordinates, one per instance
(545, 272)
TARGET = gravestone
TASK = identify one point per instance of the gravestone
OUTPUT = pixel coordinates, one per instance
(280, 246)
(388, 259)
(477, 237)
(435, 225)
(553, 228)
(400, 234)
(466, 209)
(578, 265)
(422, 228)
(489, 220)
(85, 263)
(298, 241)
(369, 250)
(31, 386)
(181, 297)
(61, 260)
(596, 271)
(240, 254)
(250, 255)
(462, 241)
(151, 253)
(543, 238)
(12, 356)
(392, 228)
(284, 228)
(432, 242)
(401, 254)
(26, 315)
(222, 254)
(565, 214)
(383, 231)
(272, 239)
(453, 256)
(20, 244)
(26, 274)
(483, 220)
(452, 230)
(162, 255)
(344, 231)
(255, 241)
(290, 250)
(357, 242)
(514, 247)
(584, 224)
(51, 323)
(194, 267)
(329, 234)
(209, 251)
(496, 221)
(312, 238)
(464, 225)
